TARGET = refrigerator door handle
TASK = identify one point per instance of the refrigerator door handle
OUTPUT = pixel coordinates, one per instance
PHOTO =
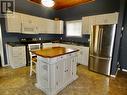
(100, 57)
(101, 38)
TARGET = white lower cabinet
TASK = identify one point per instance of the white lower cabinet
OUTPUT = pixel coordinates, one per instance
(16, 56)
(54, 75)
(67, 71)
(59, 74)
(82, 55)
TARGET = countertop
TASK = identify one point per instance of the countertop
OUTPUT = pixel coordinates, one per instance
(54, 52)
(47, 41)
(15, 44)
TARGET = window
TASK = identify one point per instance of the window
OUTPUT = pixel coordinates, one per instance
(74, 28)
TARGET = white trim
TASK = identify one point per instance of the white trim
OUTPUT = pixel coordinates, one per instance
(1, 49)
(118, 68)
(114, 76)
(124, 70)
(72, 22)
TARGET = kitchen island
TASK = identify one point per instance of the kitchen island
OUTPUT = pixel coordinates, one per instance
(55, 68)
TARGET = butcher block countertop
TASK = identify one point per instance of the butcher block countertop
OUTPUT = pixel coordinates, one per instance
(54, 52)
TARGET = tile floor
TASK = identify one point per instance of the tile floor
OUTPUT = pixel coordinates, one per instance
(18, 82)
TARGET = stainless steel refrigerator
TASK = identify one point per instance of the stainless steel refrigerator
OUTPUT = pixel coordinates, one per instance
(101, 48)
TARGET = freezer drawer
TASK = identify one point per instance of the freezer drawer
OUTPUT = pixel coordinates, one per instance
(100, 65)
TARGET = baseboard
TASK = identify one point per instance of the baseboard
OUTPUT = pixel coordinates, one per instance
(113, 76)
(124, 70)
(118, 68)
(6, 65)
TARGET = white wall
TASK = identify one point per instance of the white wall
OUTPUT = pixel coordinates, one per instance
(1, 47)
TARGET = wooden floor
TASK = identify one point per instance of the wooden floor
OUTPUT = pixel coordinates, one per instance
(18, 82)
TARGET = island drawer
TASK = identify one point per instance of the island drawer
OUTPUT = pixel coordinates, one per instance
(52, 60)
(72, 54)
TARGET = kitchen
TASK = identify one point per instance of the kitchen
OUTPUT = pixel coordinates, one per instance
(33, 10)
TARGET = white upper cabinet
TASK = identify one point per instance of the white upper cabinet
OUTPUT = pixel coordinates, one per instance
(13, 23)
(59, 27)
(88, 21)
(40, 25)
(51, 26)
(28, 24)
(111, 18)
(47, 26)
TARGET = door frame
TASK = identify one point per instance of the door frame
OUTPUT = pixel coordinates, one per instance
(1, 48)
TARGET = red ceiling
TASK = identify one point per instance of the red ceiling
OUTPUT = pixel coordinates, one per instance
(61, 4)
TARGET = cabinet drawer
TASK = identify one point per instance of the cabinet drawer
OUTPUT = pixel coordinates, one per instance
(44, 60)
(72, 54)
(58, 58)
(51, 60)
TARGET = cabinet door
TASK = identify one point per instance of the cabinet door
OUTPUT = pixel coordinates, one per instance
(85, 55)
(13, 23)
(111, 18)
(67, 71)
(51, 26)
(19, 51)
(86, 25)
(80, 57)
(59, 27)
(28, 25)
(42, 75)
(41, 25)
(74, 66)
(59, 73)
(16, 56)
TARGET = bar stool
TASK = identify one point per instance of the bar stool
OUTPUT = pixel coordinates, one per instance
(33, 57)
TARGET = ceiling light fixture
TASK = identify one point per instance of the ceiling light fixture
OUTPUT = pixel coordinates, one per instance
(48, 3)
